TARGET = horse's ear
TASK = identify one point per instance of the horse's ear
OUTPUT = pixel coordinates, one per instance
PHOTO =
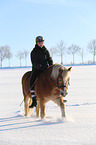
(60, 70)
(69, 69)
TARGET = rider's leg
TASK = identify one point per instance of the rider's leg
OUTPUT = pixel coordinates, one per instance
(34, 75)
(32, 91)
(34, 101)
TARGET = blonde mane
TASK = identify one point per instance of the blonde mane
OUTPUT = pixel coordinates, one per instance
(55, 70)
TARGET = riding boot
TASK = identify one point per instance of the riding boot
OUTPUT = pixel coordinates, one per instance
(34, 101)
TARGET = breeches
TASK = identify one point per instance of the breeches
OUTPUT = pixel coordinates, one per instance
(33, 77)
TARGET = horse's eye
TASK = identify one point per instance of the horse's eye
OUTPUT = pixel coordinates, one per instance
(60, 80)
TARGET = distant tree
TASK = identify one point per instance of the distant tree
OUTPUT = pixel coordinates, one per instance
(53, 51)
(20, 55)
(4, 51)
(82, 54)
(92, 48)
(2, 55)
(25, 56)
(61, 49)
(73, 49)
(8, 53)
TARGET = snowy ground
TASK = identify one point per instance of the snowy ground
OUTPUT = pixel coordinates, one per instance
(79, 126)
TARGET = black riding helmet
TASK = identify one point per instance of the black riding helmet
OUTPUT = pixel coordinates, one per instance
(39, 39)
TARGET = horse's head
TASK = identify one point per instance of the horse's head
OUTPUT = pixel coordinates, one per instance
(63, 80)
(62, 76)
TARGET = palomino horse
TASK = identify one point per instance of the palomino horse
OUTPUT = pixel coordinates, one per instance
(49, 86)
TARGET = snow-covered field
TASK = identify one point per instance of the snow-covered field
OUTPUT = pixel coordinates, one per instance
(79, 126)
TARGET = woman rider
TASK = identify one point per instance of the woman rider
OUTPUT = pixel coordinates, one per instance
(41, 59)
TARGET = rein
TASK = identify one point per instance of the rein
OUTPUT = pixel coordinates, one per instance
(28, 92)
(56, 85)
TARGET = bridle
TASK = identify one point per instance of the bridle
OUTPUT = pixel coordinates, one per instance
(57, 83)
(64, 86)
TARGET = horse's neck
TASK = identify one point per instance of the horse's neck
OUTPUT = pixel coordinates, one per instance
(49, 71)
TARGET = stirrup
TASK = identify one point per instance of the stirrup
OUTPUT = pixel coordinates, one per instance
(34, 104)
(31, 106)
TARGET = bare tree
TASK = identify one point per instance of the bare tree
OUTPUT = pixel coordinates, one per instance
(92, 48)
(25, 56)
(73, 49)
(61, 49)
(53, 51)
(2, 54)
(4, 50)
(82, 54)
(20, 55)
(8, 53)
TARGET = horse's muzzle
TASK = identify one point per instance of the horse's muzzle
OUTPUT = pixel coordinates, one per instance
(63, 94)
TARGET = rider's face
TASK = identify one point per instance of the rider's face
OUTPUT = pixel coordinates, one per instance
(40, 44)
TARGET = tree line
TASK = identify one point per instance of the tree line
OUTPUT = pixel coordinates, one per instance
(73, 49)
(59, 50)
(5, 53)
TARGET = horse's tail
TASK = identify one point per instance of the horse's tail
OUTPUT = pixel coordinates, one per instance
(26, 84)
(26, 92)
(23, 86)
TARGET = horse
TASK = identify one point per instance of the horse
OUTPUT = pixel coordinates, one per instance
(51, 85)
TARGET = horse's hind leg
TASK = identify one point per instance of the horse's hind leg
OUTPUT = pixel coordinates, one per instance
(28, 102)
(42, 107)
(30, 110)
(26, 106)
(37, 110)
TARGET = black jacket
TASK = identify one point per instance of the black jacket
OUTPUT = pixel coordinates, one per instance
(40, 58)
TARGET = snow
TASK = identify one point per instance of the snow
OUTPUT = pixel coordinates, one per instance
(79, 126)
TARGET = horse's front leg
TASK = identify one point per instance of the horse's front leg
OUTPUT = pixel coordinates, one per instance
(59, 101)
(62, 106)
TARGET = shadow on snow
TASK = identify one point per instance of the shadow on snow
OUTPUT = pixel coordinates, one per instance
(33, 123)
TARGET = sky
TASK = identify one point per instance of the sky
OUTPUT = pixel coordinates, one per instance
(72, 21)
